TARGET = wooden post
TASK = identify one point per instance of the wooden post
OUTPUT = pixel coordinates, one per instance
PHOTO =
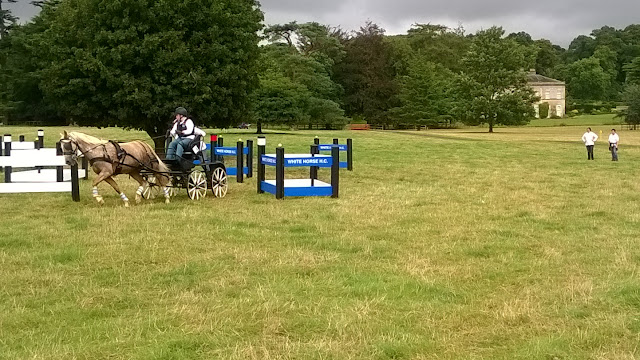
(262, 142)
(350, 154)
(249, 158)
(239, 161)
(75, 183)
(7, 152)
(59, 169)
(280, 172)
(335, 171)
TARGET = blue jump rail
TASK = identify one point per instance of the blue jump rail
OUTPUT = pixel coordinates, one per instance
(218, 151)
(348, 148)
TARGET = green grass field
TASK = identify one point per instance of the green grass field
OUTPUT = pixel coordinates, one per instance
(447, 244)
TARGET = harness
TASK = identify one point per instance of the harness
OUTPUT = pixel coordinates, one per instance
(121, 155)
(183, 126)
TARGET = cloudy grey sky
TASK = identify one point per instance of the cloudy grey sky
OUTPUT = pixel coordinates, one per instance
(557, 20)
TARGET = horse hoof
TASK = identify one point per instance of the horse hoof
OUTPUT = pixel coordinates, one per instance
(167, 201)
(100, 200)
(138, 200)
(126, 204)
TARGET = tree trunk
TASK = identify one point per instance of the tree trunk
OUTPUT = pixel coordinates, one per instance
(490, 127)
(259, 131)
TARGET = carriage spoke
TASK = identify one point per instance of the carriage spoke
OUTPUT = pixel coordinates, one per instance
(219, 182)
(197, 185)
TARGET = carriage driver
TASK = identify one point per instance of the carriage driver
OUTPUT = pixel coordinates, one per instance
(183, 132)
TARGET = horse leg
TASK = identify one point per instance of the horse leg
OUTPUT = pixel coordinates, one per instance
(102, 175)
(115, 187)
(137, 177)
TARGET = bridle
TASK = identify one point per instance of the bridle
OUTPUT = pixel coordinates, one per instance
(71, 148)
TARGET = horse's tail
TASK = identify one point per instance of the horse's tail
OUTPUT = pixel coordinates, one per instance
(159, 168)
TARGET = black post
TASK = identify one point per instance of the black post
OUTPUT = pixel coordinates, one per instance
(335, 141)
(350, 154)
(59, 169)
(213, 142)
(261, 151)
(249, 158)
(335, 171)
(280, 173)
(239, 162)
(221, 144)
(75, 183)
(21, 138)
(313, 170)
(7, 152)
(40, 138)
(316, 141)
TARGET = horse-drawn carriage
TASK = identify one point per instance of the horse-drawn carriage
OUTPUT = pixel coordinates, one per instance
(193, 171)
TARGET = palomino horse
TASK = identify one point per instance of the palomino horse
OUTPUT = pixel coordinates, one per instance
(108, 159)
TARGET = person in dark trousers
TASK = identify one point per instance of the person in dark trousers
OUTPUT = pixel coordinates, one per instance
(614, 139)
(589, 139)
(182, 131)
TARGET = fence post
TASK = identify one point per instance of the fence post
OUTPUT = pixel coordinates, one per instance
(249, 158)
(221, 144)
(262, 143)
(239, 161)
(335, 171)
(7, 152)
(85, 166)
(280, 172)
(213, 142)
(40, 139)
(350, 154)
(59, 169)
(313, 170)
(75, 183)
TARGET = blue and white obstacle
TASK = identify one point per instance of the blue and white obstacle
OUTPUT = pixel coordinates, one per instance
(348, 148)
(282, 187)
(218, 151)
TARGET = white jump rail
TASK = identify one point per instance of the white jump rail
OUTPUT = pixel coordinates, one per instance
(31, 155)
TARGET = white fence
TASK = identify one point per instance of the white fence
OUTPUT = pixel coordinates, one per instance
(25, 169)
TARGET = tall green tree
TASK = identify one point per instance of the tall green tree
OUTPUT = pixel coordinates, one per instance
(131, 62)
(587, 80)
(493, 87)
(367, 75)
(7, 20)
(426, 94)
(631, 97)
(633, 71)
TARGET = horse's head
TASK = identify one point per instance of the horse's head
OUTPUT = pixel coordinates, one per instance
(70, 149)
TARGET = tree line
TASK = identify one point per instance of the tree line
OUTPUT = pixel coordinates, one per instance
(130, 62)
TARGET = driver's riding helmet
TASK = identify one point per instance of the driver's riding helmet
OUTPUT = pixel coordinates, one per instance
(182, 111)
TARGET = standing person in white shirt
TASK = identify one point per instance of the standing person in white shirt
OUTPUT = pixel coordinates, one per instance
(589, 139)
(614, 139)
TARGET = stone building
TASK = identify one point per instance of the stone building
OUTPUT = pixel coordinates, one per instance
(550, 91)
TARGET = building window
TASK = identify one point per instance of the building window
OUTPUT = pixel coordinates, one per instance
(547, 94)
(559, 95)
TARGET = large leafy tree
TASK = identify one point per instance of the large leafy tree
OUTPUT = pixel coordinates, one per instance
(7, 20)
(587, 80)
(633, 71)
(367, 75)
(493, 88)
(426, 94)
(296, 81)
(631, 97)
(131, 62)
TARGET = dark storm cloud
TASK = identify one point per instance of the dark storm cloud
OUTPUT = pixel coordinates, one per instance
(557, 20)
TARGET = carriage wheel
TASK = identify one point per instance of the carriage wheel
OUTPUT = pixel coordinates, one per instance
(197, 185)
(152, 190)
(219, 184)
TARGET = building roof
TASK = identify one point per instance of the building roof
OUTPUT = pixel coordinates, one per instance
(533, 78)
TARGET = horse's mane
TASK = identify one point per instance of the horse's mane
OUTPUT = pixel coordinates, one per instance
(88, 139)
